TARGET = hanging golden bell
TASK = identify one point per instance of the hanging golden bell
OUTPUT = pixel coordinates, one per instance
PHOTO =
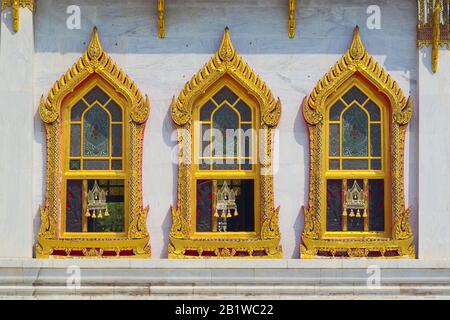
(229, 214)
(223, 214)
(352, 213)
(358, 213)
(236, 213)
(107, 213)
(87, 214)
(93, 215)
(216, 214)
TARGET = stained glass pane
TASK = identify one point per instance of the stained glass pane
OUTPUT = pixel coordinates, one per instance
(205, 150)
(75, 140)
(376, 205)
(116, 164)
(375, 137)
(334, 165)
(96, 164)
(335, 110)
(117, 140)
(246, 164)
(96, 132)
(334, 140)
(115, 111)
(225, 164)
(245, 220)
(355, 132)
(246, 140)
(77, 110)
(355, 164)
(225, 94)
(225, 140)
(206, 111)
(74, 206)
(115, 222)
(204, 164)
(376, 164)
(244, 111)
(96, 94)
(334, 205)
(354, 94)
(74, 165)
(373, 110)
(204, 205)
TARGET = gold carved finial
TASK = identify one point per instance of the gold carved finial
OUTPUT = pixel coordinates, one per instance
(291, 22)
(15, 5)
(357, 47)
(226, 51)
(161, 23)
(95, 49)
(436, 36)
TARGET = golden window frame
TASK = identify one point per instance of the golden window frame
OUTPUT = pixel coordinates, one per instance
(225, 67)
(95, 67)
(399, 243)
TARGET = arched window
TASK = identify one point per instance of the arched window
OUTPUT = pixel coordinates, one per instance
(94, 118)
(357, 117)
(225, 117)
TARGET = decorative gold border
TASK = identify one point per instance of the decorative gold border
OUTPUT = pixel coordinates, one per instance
(94, 61)
(15, 5)
(291, 21)
(357, 61)
(226, 61)
(161, 19)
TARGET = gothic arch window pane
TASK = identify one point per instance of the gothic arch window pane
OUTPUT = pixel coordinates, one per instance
(96, 132)
(354, 132)
(225, 139)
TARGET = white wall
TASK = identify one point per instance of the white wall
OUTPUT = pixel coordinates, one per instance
(434, 166)
(160, 67)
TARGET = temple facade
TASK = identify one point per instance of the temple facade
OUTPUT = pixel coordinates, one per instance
(276, 130)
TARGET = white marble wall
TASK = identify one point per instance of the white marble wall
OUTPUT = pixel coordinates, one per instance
(160, 67)
(434, 166)
(16, 136)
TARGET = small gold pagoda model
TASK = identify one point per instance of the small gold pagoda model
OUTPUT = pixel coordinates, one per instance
(226, 202)
(356, 201)
(97, 207)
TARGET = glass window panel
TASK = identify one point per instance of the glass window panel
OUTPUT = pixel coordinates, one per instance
(115, 111)
(375, 139)
(116, 164)
(335, 111)
(246, 164)
(204, 205)
(225, 164)
(75, 140)
(96, 132)
(74, 165)
(204, 164)
(225, 94)
(77, 110)
(334, 165)
(74, 206)
(115, 222)
(334, 205)
(376, 164)
(206, 111)
(244, 110)
(246, 140)
(354, 94)
(96, 94)
(355, 132)
(355, 223)
(245, 220)
(116, 140)
(225, 134)
(205, 150)
(359, 164)
(334, 140)
(95, 164)
(376, 205)
(373, 110)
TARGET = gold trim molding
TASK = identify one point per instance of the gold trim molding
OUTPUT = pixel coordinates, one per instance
(15, 5)
(400, 244)
(161, 19)
(433, 28)
(291, 22)
(94, 62)
(226, 62)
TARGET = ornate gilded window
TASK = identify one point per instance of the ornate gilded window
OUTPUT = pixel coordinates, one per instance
(357, 117)
(225, 116)
(94, 118)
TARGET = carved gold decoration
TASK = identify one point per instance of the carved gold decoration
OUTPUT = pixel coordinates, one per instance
(15, 5)
(226, 62)
(291, 23)
(94, 62)
(433, 28)
(356, 62)
(161, 16)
